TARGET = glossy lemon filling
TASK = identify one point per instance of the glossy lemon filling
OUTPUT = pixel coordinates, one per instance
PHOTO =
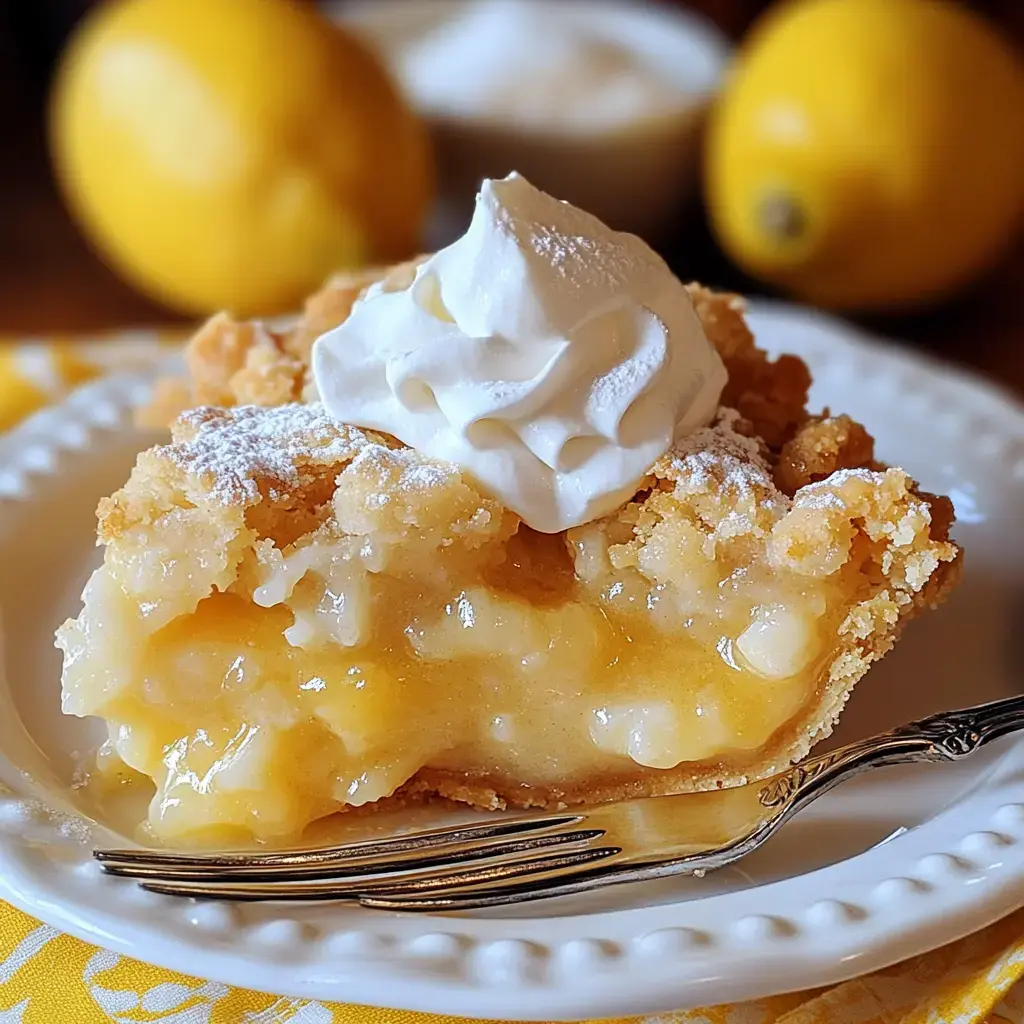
(308, 688)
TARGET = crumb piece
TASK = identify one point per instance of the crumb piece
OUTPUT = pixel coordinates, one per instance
(879, 505)
(216, 353)
(269, 377)
(820, 447)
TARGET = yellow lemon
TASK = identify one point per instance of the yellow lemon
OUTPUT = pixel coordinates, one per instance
(232, 153)
(868, 153)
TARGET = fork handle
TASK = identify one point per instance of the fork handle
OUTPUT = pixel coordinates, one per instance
(947, 736)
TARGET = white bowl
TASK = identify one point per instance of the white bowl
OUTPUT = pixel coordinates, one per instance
(633, 175)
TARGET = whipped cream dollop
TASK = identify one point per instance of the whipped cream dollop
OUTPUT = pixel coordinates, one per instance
(552, 359)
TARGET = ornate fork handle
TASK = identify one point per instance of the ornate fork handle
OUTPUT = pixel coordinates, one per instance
(947, 736)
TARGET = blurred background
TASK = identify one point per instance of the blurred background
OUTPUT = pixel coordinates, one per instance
(162, 159)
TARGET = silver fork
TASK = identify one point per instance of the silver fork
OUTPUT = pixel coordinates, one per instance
(538, 856)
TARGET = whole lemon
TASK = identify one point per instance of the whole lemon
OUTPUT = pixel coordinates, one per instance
(232, 153)
(868, 153)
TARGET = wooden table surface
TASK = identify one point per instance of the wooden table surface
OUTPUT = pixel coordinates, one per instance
(50, 281)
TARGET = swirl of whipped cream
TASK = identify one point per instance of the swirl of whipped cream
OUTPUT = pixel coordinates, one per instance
(552, 359)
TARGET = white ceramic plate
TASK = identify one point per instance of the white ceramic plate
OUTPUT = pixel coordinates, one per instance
(897, 863)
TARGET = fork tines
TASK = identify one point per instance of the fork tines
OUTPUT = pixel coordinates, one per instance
(424, 864)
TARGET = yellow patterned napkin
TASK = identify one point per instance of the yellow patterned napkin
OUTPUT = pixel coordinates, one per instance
(50, 978)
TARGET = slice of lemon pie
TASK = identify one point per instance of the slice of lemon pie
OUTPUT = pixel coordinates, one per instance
(556, 531)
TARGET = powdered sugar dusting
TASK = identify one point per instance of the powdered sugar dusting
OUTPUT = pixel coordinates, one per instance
(720, 456)
(873, 477)
(818, 499)
(406, 469)
(237, 448)
(821, 494)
